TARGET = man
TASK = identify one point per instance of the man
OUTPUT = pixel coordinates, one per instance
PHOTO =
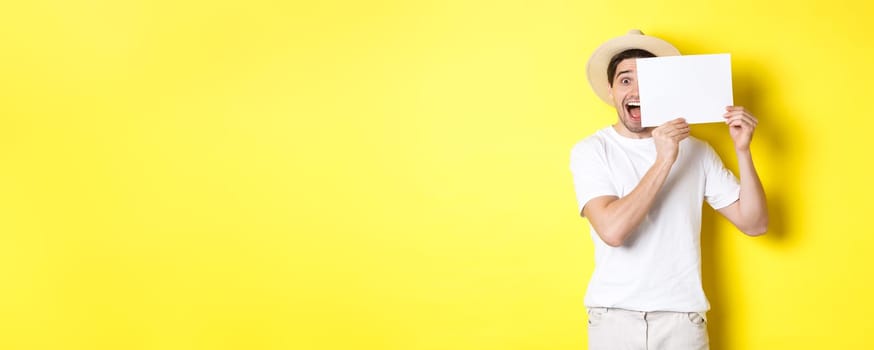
(642, 190)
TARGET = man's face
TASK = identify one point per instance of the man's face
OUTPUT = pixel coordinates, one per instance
(625, 96)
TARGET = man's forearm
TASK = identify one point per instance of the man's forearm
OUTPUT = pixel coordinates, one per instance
(620, 217)
(753, 205)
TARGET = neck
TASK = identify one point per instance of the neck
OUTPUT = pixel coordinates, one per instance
(622, 130)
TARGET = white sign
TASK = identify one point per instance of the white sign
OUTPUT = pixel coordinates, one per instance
(694, 87)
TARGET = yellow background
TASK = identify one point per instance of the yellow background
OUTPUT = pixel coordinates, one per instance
(394, 174)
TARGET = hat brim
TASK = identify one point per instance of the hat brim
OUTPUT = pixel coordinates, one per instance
(596, 68)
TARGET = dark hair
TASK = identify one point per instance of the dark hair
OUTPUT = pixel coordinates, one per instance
(630, 53)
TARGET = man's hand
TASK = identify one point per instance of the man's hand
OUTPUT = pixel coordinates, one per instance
(750, 212)
(614, 218)
(741, 125)
(667, 138)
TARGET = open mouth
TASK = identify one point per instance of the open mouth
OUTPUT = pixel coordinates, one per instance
(633, 108)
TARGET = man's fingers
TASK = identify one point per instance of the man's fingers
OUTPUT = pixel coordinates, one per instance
(675, 132)
(744, 116)
(671, 131)
(744, 119)
(739, 113)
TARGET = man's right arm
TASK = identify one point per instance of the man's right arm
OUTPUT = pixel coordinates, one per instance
(614, 218)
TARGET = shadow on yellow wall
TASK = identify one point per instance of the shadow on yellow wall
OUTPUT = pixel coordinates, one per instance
(772, 144)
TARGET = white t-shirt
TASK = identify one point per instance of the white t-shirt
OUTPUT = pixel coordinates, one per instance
(659, 267)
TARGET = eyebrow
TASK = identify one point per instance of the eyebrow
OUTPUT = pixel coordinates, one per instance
(623, 72)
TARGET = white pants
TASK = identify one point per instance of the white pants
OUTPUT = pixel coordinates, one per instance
(618, 329)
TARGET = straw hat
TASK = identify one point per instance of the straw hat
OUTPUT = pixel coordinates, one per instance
(596, 69)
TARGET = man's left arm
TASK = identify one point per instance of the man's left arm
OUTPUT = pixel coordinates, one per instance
(750, 212)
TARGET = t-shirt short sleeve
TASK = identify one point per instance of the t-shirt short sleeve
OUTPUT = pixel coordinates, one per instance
(721, 187)
(591, 172)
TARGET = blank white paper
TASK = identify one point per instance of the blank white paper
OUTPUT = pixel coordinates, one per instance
(694, 87)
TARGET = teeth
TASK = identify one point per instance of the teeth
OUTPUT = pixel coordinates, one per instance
(633, 104)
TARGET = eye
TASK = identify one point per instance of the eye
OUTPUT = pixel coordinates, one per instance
(625, 81)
